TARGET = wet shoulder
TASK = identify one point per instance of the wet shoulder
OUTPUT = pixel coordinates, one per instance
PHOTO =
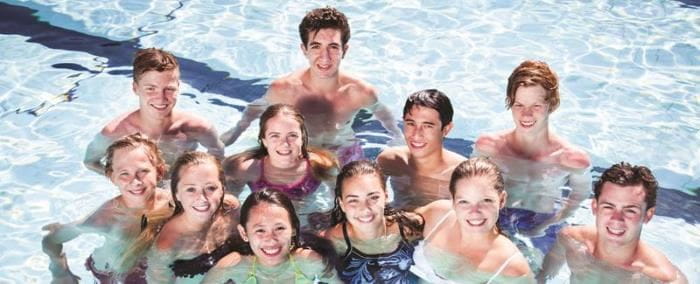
(394, 160)
(517, 266)
(581, 234)
(122, 125)
(575, 158)
(359, 90)
(655, 264)
(453, 159)
(231, 259)
(189, 122)
(281, 88)
(490, 144)
(434, 212)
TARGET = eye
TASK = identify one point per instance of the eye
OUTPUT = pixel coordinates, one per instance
(631, 212)
(352, 201)
(375, 197)
(410, 123)
(212, 188)
(280, 228)
(488, 200)
(462, 201)
(294, 135)
(275, 135)
(150, 89)
(260, 231)
(190, 189)
(124, 174)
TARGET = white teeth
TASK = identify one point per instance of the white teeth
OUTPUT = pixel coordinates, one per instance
(417, 145)
(476, 222)
(137, 191)
(284, 153)
(271, 251)
(366, 219)
(160, 107)
(616, 231)
(527, 123)
(203, 207)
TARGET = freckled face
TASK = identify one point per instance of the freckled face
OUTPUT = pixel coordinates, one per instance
(477, 203)
(134, 174)
(621, 213)
(157, 92)
(530, 110)
(199, 190)
(363, 200)
(269, 232)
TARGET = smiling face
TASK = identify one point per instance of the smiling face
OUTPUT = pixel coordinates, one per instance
(199, 190)
(269, 231)
(134, 174)
(620, 213)
(423, 131)
(283, 138)
(157, 92)
(477, 203)
(530, 109)
(324, 52)
(363, 200)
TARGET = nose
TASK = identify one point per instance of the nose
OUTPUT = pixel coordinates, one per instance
(617, 215)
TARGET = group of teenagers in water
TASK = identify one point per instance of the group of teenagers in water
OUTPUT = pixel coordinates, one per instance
(419, 213)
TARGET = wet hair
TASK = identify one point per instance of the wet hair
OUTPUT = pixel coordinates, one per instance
(336, 216)
(190, 159)
(434, 99)
(152, 222)
(324, 18)
(299, 239)
(153, 59)
(624, 174)
(477, 167)
(322, 166)
(533, 73)
(133, 141)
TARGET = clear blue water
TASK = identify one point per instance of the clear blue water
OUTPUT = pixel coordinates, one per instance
(629, 73)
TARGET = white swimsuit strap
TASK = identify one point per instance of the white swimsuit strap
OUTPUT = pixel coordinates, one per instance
(438, 224)
(500, 269)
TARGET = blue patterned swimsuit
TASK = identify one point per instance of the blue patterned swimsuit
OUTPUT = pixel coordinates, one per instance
(393, 267)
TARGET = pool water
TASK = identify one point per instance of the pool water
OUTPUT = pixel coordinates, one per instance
(629, 75)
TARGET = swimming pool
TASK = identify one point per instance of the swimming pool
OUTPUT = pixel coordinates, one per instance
(629, 74)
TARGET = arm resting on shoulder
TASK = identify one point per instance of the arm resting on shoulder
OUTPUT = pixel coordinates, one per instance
(251, 113)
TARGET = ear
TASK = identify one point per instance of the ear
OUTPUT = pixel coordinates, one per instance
(241, 231)
(594, 206)
(650, 213)
(446, 129)
(345, 49)
(504, 196)
(303, 48)
(134, 86)
(342, 205)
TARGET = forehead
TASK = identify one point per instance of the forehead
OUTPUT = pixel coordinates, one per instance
(422, 113)
(530, 93)
(201, 167)
(327, 35)
(156, 77)
(475, 186)
(130, 155)
(622, 194)
(266, 213)
(281, 122)
(362, 185)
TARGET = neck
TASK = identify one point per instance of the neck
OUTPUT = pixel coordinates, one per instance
(323, 85)
(192, 225)
(285, 165)
(477, 239)
(532, 143)
(619, 255)
(369, 232)
(138, 204)
(428, 164)
(154, 127)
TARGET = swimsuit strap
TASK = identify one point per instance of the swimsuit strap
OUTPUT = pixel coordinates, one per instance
(347, 240)
(299, 276)
(500, 269)
(438, 224)
(251, 273)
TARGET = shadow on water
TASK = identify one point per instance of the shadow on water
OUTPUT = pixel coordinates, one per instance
(19, 20)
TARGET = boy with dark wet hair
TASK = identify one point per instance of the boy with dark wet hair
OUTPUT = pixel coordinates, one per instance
(420, 171)
(610, 251)
(157, 84)
(328, 98)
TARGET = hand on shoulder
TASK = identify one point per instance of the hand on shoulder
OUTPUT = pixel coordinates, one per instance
(575, 158)
(489, 144)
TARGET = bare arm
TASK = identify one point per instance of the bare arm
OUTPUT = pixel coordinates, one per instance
(580, 184)
(383, 114)
(95, 152)
(209, 138)
(554, 260)
(251, 113)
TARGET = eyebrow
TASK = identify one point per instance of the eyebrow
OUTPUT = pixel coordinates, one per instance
(626, 206)
(357, 196)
